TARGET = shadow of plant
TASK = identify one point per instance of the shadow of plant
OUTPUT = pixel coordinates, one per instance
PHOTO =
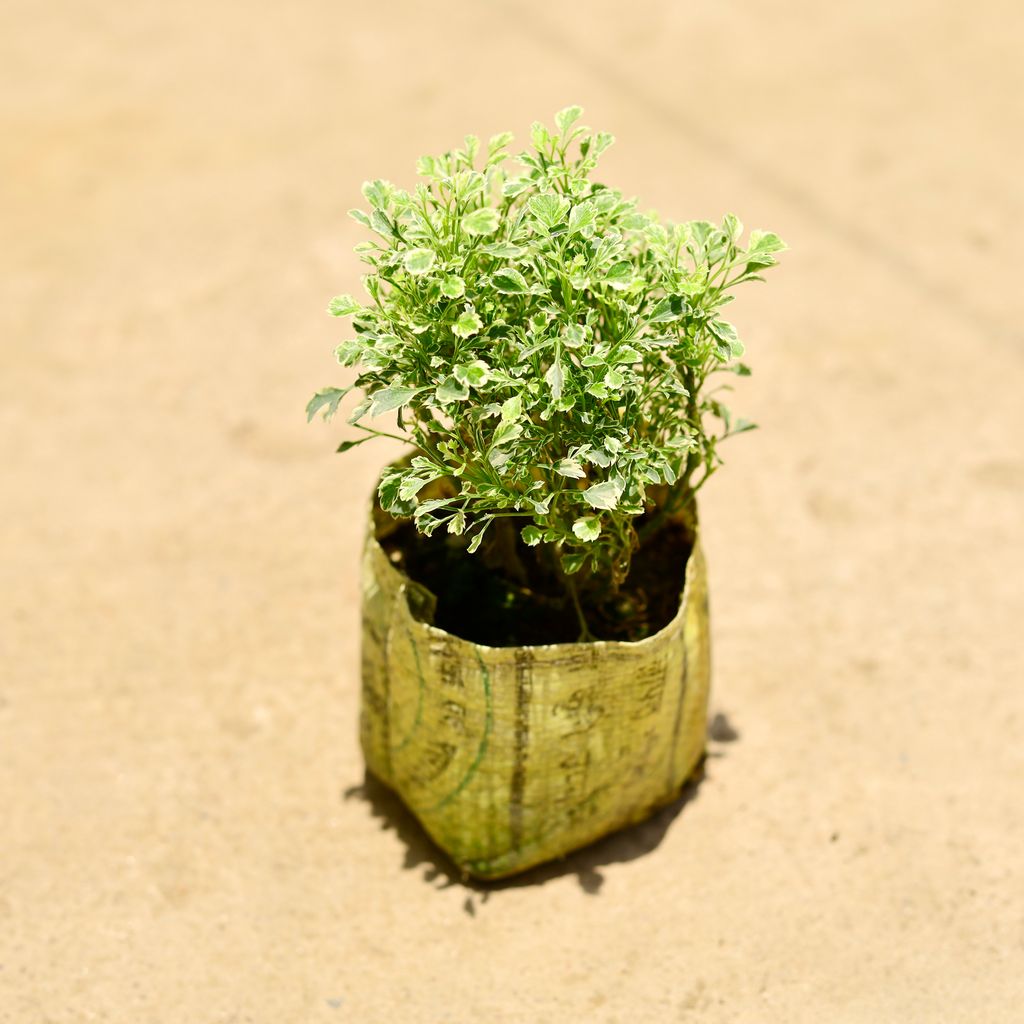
(619, 847)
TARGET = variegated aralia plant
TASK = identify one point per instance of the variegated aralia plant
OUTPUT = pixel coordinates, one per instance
(547, 348)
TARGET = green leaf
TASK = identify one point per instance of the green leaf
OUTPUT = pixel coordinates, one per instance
(567, 117)
(573, 562)
(725, 332)
(506, 432)
(377, 194)
(532, 536)
(765, 242)
(511, 409)
(626, 355)
(477, 538)
(467, 325)
(419, 261)
(343, 305)
(388, 495)
(603, 495)
(482, 221)
(574, 335)
(541, 508)
(582, 216)
(497, 457)
(761, 249)
(548, 208)
(360, 410)
(453, 286)
(474, 374)
(349, 445)
(588, 528)
(410, 487)
(451, 390)
(457, 523)
(387, 490)
(640, 222)
(674, 307)
(620, 276)
(570, 468)
(503, 250)
(509, 281)
(597, 457)
(700, 230)
(326, 399)
(499, 142)
(348, 353)
(380, 223)
(391, 398)
(556, 379)
(515, 187)
(613, 380)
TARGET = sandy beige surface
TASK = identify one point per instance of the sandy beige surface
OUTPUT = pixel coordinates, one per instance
(185, 838)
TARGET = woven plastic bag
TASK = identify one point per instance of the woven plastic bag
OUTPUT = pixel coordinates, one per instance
(511, 756)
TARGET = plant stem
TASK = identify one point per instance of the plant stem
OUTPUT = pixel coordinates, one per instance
(585, 635)
(384, 433)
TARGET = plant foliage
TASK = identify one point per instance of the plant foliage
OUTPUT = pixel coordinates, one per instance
(546, 347)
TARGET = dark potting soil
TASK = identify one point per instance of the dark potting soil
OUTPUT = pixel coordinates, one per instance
(479, 604)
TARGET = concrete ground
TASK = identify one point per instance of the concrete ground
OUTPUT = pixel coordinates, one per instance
(186, 837)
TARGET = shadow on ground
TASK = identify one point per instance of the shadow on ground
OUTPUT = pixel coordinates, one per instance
(619, 847)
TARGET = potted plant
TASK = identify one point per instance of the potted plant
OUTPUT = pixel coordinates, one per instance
(535, 632)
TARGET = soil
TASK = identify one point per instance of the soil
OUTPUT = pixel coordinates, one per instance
(479, 603)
